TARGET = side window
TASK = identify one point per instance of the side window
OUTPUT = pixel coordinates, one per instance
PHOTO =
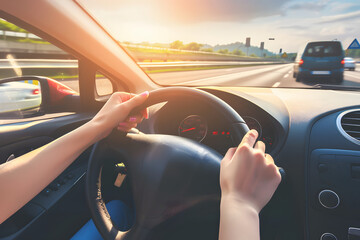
(36, 77)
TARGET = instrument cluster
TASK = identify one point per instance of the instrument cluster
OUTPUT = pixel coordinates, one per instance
(197, 128)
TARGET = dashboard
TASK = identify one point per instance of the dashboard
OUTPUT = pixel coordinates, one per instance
(302, 133)
(197, 121)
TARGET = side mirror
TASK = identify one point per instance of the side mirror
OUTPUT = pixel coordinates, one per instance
(30, 96)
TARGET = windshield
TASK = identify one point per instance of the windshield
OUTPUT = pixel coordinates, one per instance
(288, 43)
(323, 49)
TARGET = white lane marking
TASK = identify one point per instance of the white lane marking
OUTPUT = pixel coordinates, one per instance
(234, 76)
(276, 84)
(286, 75)
(289, 71)
(229, 70)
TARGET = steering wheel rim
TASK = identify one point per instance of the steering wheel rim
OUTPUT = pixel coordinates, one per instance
(237, 123)
(184, 154)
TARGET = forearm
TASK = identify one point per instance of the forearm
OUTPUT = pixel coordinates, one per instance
(238, 220)
(24, 177)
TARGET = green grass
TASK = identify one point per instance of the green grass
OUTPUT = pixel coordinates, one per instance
(72, 76)
(64, 77)
(29, 40)
(5, 25)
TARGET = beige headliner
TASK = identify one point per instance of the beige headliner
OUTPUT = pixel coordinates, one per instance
(66, 21)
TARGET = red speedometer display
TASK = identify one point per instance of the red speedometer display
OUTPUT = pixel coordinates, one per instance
(193, 127)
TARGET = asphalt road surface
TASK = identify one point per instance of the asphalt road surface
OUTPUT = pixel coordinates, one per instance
(257, 76)
(280, 75)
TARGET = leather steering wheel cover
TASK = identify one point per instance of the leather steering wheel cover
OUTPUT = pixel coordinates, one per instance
(99, 213)
(176, 93)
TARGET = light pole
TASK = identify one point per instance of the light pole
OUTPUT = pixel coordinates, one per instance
(272, 39)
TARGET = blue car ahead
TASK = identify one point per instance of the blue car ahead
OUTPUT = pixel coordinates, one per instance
(320, 61)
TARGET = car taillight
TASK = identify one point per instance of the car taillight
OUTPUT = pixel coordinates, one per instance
(36, 91)
(301, 62)
(343, 61)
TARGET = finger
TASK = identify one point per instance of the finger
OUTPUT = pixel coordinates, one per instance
(145, 113)
(229, 154)
(269, 159)
(250, 138)
(127, 125)
(124, 96)
(123, 129)
(135, 118)
(260, 146)
(137, 100)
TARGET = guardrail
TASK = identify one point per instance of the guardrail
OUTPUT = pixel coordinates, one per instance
(59, 63)
(136, 46)
(37, 63)
(14, 47)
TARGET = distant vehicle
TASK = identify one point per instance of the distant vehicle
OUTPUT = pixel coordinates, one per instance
(19, 97)
(349, 64)
(320, 61)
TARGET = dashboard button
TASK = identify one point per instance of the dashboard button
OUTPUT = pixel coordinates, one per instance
(329, 199)
(355, 171)
(47, 192)
(353, 233)
(62, 181)
(322, 167)
(70, 176)
(53, 187)
(328, 236)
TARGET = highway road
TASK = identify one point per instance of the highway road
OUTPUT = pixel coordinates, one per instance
(257, 76)
(280, 75)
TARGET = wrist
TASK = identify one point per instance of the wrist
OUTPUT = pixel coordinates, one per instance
(94, 130)
(238, 201)
(238, 219)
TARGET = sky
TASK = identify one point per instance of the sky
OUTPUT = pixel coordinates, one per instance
(291, 22)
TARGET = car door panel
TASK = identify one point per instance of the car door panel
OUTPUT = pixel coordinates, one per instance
(60, 209)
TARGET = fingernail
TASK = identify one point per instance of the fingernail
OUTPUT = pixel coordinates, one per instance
(132, 119)
(144, 94)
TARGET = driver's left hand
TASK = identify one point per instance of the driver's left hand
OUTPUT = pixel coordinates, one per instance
(115, 113)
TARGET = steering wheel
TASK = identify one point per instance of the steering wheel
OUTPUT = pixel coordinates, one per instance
(174, 181)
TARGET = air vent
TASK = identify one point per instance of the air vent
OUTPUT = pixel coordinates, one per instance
(350, 123)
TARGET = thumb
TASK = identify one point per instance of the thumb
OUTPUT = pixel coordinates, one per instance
(137, 100)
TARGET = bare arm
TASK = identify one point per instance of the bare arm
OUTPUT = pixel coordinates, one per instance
(248, 179)
(24, 177)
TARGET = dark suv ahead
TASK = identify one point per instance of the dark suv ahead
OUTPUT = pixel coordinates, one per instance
(320, 61)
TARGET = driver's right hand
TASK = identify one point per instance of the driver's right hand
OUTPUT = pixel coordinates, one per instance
(247, 174)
